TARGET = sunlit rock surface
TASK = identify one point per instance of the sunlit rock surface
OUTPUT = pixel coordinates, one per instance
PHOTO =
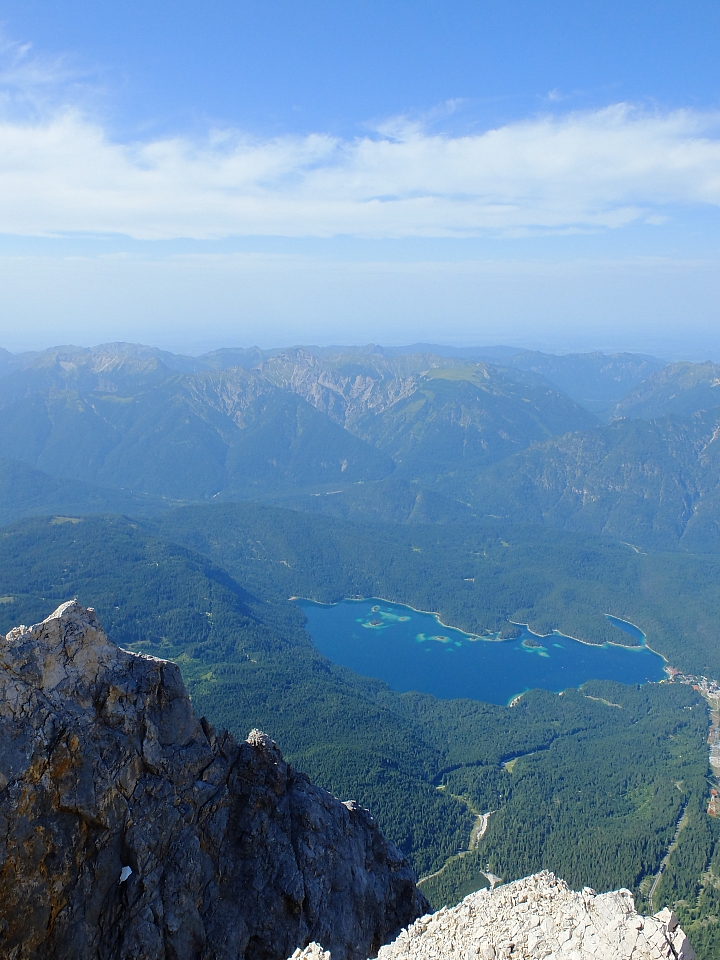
(130, 831)
(538, 917)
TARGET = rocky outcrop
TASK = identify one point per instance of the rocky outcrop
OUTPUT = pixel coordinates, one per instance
(345, 388)
(130, 831)
(538, 917)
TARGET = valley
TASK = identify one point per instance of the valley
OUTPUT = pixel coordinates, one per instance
(526, 500)
(477, 832)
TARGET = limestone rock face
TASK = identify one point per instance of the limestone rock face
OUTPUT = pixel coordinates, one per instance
(541, 917)
(130, 831)
(538, 917)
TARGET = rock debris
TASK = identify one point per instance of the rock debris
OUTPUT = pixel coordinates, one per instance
(538, 918)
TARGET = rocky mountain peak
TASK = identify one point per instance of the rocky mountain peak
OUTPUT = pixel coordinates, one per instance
(131, 830)
(536, 917)
(67, 650)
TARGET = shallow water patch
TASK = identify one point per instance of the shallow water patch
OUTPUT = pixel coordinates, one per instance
(407, 649)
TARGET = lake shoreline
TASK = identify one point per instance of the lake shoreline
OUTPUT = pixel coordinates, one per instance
(401, 603)
(490, 639)
(636, 647)
(485, 675)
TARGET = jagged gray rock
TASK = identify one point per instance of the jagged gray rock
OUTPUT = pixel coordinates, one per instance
(538, 917)
(130, 831)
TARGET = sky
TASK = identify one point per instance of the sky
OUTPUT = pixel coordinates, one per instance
(542, 174)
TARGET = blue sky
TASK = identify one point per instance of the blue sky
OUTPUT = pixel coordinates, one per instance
(535, 173)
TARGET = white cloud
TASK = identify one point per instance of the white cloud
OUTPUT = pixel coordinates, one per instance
(32, 82)
(581, 171)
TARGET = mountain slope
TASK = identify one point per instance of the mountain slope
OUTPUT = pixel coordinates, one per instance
(385, 501)
(680, 388)
(26, 492)
(589, 378)
(136, 424)
(349, 386)
(652, 483)
(459, 420)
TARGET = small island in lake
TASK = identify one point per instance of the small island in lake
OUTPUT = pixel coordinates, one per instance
(402, 647)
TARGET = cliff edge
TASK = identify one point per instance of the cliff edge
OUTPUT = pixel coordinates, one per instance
(130, 831)
(535, 918)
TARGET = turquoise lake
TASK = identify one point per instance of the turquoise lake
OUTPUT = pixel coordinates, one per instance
(410, 650)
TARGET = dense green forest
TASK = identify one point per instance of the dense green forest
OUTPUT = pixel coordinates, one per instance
(480, 486)
(476, 575)
(603, 796)
(691, 881)
(599, 776)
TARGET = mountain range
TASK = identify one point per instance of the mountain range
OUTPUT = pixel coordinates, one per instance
(416, 436)
(294, 422)
(187, 498)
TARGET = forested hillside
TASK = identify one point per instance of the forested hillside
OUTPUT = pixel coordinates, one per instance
(136, 425)
(248, 663)
(27, 492)
(477, 576)
(188, 498)
(655, 484)
(459, 420)
(679, 388)
(595, 380)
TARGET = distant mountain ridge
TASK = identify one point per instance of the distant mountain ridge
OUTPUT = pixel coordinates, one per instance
(293, 423)
(377, 433)
(679, 388)
(134, 423)
(655, 483)
(585, 377)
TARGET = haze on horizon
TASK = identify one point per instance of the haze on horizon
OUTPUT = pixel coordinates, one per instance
(542, 175)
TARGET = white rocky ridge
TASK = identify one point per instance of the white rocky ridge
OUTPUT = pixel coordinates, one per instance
(538, 918)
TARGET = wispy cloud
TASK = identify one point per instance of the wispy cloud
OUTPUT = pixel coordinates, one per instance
(34, 84)
(593, 170)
